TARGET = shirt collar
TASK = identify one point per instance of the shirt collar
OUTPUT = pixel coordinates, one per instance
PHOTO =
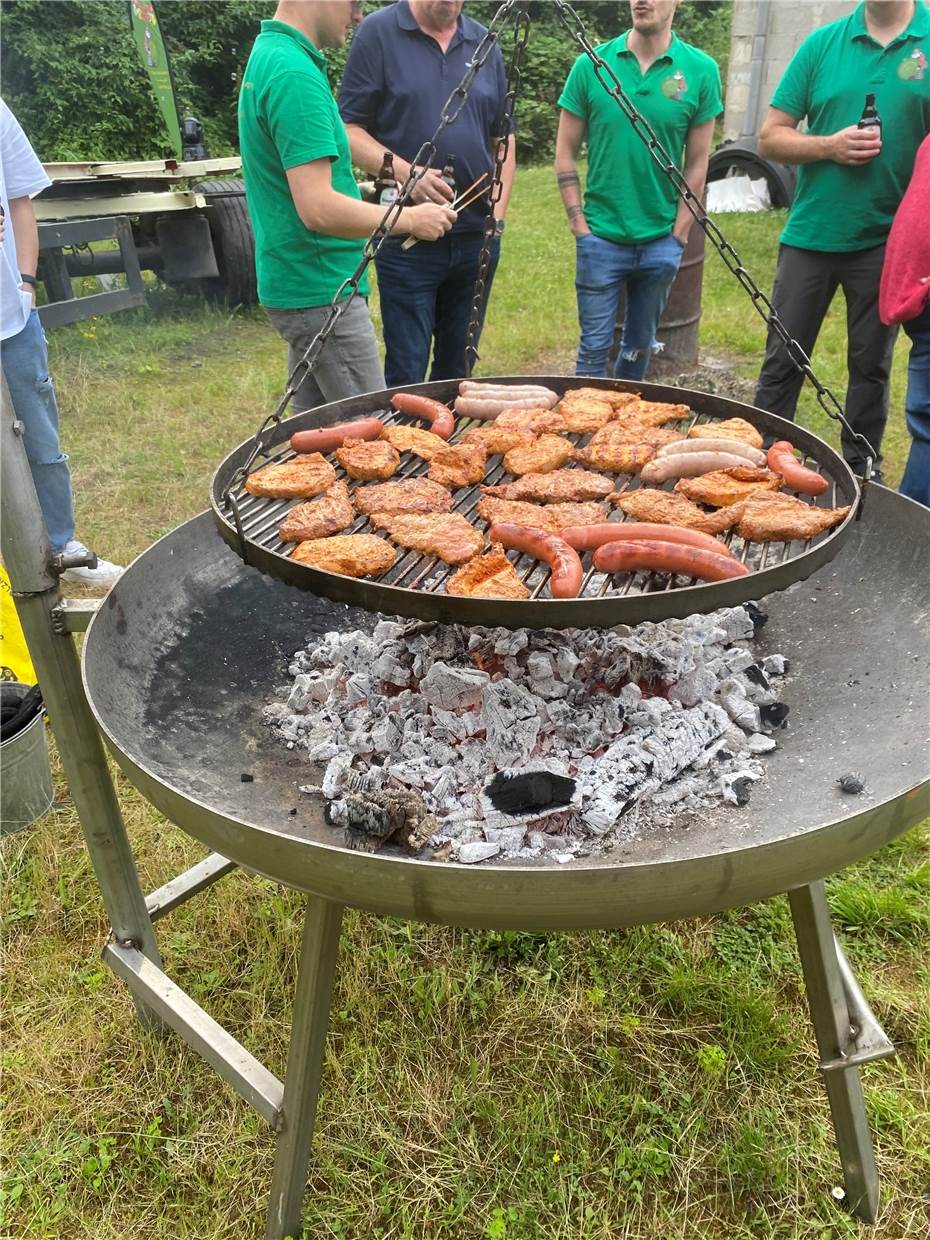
(274, 27)
(919, 24)
(623, 50)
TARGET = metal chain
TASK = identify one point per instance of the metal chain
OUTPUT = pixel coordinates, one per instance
(608, 79)
(348, 289)
(521, 34)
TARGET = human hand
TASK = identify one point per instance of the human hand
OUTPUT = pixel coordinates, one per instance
(428, 221)
(432, 188)
(854, 146)
(579, 226)
(30, 289)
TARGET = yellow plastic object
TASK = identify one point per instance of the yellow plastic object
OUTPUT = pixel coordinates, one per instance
(15, 663)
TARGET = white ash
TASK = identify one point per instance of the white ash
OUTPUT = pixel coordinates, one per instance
(667, 715)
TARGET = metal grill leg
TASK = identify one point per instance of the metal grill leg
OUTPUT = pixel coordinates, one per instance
(318, 952)
(831, 1020)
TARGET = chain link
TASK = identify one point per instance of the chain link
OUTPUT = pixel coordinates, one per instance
(348, 290)
(521, 34)
(608, 79)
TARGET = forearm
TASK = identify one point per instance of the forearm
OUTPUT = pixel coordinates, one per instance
(507, 175)
(569, 182)
(23, 224)
(785, 145)
(695, 175)
(337, 215)
(368, 153)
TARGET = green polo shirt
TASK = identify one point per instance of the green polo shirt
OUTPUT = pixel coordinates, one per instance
(287, 117)
(837, 207)
(627, 198)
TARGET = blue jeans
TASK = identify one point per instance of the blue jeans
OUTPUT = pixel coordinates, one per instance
(426, 295)
(25, 368)
(602, 270)
(916, 481)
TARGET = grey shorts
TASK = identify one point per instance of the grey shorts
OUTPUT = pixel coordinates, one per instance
(348, 364)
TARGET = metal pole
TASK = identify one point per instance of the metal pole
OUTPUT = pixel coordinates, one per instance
(318, 952)
(832, 1026)
(27, 555)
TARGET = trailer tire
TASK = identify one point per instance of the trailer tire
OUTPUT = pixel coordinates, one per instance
(233, 244)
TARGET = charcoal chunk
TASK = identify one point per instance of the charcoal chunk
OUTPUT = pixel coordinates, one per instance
(758, 617)
(528, 790)
(774, 714)
(852, 783)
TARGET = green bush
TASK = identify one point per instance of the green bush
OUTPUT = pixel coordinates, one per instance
(72, 75)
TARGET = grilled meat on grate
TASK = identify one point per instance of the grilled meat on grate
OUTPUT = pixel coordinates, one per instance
(767, 516)
(548, 452)
(727, 486)
(301, 478)
(667, 508)
(446, 535)
(557, 486)
(617, 458)
(488, 576)
(353, 555)
(413, 439)
(327, 514)
(498, 439)
(368, 460)
(403, 495)
(458, 465)
(730, 428)
(545, 516)
(542, 421)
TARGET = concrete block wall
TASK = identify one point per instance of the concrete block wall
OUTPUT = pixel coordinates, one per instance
(788, 23)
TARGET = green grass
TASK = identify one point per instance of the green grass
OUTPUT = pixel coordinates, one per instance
(651, 1084)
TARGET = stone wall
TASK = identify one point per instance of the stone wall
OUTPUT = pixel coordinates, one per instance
(787, 24)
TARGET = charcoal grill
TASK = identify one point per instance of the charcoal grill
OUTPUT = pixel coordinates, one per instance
(415, 586)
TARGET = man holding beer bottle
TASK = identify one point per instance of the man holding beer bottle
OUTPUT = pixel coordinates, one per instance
(863, 85)
(404, 61)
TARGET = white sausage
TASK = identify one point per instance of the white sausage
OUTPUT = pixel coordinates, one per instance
(733, 446)
(474, 407)
(690, 465)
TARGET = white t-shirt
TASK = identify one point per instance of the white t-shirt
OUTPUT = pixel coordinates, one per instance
(21, 176)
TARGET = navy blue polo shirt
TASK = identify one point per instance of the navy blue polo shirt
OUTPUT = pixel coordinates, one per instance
(397, 80)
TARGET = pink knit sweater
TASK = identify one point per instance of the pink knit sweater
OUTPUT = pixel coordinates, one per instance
(905, 284)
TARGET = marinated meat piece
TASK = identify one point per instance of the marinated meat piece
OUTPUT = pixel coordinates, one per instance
(368, 460)
(413, 439)
(583, 414)
(405, 495)
(656, 413)
(541, 421)
(300, 478)
(667, 508)
(353, 555)
(446, 535)
(628, 430)
(617, 458)
(722, 487)
(488, 576)
(546, 453)
(767, 516)
(458, 465)
(497, 438)
(554, 487)
(546, 516)
(730, 428)
(617, 400)
(327, 514)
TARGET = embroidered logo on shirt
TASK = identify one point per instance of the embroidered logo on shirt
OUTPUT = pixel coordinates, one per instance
(675, 86)
(913, 67)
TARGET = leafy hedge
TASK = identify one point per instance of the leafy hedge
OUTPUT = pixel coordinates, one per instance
(72, 75)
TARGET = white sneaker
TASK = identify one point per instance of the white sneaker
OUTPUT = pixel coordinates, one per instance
(103, 575)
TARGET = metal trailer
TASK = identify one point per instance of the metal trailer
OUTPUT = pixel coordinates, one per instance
(186, 220)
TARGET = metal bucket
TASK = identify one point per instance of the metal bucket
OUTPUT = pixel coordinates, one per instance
(25, 775)
(680, 321)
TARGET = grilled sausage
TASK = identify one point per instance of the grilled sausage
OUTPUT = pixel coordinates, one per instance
(689, 465)
(328, 438)
(440, 417)
(588, 537)
(667, 557)
(798, 477)
(489, 407)
(565, 562)
(485, 391)
(735, 447)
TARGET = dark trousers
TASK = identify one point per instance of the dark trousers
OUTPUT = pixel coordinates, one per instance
(426, 295)
(805, 282)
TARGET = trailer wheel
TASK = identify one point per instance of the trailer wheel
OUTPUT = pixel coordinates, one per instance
(233, 243)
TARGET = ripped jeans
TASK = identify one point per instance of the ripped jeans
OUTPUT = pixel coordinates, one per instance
(602, 270)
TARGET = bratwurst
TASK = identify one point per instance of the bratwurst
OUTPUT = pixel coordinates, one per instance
(667, 557)
(563, 560)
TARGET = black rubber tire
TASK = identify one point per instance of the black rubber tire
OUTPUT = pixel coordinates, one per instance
(743, 157)
(233, 243)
